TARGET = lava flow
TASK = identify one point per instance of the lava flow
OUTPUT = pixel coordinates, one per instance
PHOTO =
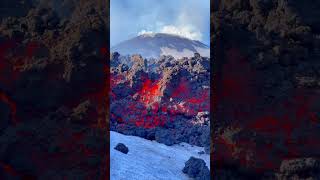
(150, 92)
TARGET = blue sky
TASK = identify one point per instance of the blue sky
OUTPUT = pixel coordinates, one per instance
(188, 18)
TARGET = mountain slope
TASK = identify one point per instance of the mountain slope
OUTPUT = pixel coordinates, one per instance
(155, 45)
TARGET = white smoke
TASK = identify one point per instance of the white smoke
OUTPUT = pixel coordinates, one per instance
(144, 32)
(185, 31)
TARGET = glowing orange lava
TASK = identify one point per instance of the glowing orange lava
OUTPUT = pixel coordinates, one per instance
(150, 92)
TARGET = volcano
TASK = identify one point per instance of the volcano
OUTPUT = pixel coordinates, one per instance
(154, 45)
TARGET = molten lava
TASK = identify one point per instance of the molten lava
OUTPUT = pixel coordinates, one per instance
(151, 110)
(150, 92)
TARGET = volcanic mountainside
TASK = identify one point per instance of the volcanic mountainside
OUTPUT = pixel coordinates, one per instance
(166, 99)
(266, 94)
(153, 45)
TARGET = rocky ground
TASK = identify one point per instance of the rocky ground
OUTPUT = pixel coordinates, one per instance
(166, 99)
(266, 93)
(53, 84)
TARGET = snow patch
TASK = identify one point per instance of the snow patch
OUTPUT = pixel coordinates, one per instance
(175, 53)
(150, 160)
(204, 52)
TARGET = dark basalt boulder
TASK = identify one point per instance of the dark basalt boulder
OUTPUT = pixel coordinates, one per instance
(122, 148)
(196, 168)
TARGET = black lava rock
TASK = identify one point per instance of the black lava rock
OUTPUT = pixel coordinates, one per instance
(165, 136)
(122, 148)
(196, 168)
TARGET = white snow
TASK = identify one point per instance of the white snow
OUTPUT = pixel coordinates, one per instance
(175, 53)
(204, 52)
(150, 44)
(150, 160)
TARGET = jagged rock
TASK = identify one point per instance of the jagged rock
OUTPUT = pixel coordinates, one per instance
(197, 55)
(114, 56)
(114, 59)
(203, 118)
(165, 136)
(122, 148)
(197, 169)
(123, 68)
(206, 139)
